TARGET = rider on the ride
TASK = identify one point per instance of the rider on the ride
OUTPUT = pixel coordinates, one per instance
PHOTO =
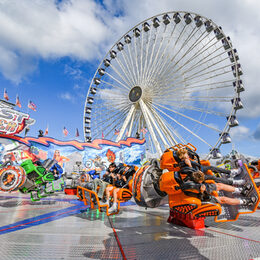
(187, 166)
(123, 176)
(197, 187)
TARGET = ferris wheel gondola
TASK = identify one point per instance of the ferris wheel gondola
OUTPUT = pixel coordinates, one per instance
(172, 78)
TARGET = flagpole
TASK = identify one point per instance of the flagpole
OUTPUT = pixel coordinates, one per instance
(27, 107)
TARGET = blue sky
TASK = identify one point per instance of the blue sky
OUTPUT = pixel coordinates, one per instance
(50, 50)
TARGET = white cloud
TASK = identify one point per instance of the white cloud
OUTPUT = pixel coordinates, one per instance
(240, 133)
(67, 96)
(76, 73)
(39, 29)
(256, 133)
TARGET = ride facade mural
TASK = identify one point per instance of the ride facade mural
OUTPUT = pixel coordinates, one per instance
(94, 156)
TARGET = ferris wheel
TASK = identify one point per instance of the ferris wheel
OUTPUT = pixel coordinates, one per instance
(173, 78)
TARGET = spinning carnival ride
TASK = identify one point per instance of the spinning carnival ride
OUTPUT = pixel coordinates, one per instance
(173, 78)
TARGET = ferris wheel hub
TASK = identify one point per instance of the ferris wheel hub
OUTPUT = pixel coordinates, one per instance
(135, 94)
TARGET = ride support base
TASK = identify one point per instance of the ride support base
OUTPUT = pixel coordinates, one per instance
(186, 220)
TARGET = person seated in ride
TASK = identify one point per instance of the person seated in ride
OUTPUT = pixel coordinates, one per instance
(197, 187)
(93, 174)
(183, 155)
(57, 171)
(124, 174)
(108, 178)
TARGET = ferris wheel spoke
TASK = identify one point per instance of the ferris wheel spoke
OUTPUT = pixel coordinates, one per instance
(163, 126)
(161, 60)
(107, 117)
(187, 91)
(149, 126)
(141, 56)
(192, 108)
(190, 90)
(126, 122)
(184, 127)
(162, 57)
(188, 117)
(118, 81)
(174, 46)
(175, 132)
(151, 57)
(136, 124)
(202, 80)
(155, 60)
(203, 60)
(201, 50)
(201, 99)
(122, 77)
(158, 125)
(146, 55)
(129, 80)
(185, 42)
(108, 109)
(167, 65)
(129, 67)
(220, 83)
(169, 130)
(199, 74)
(131, 124)
(117, 103)
(111, 125)
(132, 63)
(136, 60)
(115, 86)
(207, 68)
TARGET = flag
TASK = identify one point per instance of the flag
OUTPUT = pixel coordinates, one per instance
(117, 132)
(102, 135)
(77, 132)
(46, 132)
(6, 95)
(31, 105)
(65, 131)
(17, 102)
(27, 129)
(144, 130)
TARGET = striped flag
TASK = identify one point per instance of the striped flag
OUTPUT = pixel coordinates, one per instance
(32, 106)
(65, 131)
(27, 129)
(6, 95)
(17, 102)
(46, 132)
(144, 130)
(77, 132)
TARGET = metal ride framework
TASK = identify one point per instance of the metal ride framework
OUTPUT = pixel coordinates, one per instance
(172, 78)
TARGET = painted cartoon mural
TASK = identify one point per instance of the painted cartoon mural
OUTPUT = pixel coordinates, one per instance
(94, 156)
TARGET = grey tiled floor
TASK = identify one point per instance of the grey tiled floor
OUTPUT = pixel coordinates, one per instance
(60, 227)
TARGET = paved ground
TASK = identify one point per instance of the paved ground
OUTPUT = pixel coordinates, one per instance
(61, 227)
